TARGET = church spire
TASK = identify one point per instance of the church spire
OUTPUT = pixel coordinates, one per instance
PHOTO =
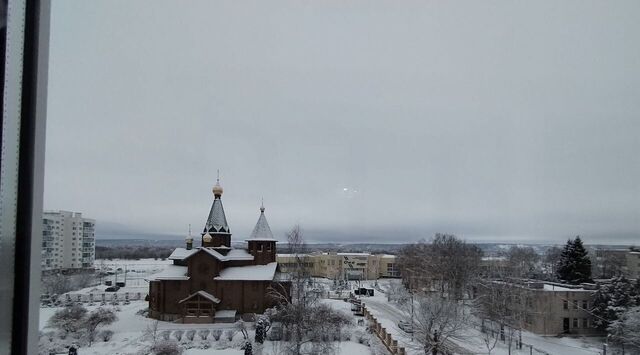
(262, 231)
(216, 226)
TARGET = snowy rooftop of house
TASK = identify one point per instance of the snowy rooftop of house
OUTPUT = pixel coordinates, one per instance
(171, 272)
(181, 253)
(204, 294)
(262, 231)
(388, 256)
(249, 273)
(494, 258)
(233, 254)
(347, 254)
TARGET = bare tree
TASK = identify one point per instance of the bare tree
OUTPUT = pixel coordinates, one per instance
(447, 265)
(97, 318)
(151, 332)
(550, 262)
(437, 320)
(304, 321)
(608, 264)
(506, 304)
(522, 261)
(68, 319)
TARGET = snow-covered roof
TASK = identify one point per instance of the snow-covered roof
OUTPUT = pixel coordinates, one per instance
(181, 253)
(388, 256)
(350, 254)
(217, 221)
(552, 287)
(249, 273)
(233, 254)
(171, 272)
(226, 313)
(262, 231)
(204, 294)
(293, 255)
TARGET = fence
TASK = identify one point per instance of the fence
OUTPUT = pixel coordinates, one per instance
(386, 338)
(98, 297)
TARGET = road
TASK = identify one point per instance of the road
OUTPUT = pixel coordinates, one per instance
(389, 315)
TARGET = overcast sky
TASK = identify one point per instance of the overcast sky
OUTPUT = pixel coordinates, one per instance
(375, 121)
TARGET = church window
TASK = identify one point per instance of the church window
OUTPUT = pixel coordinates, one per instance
(269, 247)
(259, 247)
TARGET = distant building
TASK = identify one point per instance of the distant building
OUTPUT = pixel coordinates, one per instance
(68, 241)
(343, 266)
(552, 308)
(215, 282)
(611, 262)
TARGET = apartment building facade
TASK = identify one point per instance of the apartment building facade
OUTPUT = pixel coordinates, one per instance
(68, 241)
(343, 266)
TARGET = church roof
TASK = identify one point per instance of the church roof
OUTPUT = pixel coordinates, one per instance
(204, 294)
(217, 221)
(249, 273)
(262, 231)
(233, 254)
(171, 272)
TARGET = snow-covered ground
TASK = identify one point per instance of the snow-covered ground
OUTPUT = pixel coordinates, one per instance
(130, 329)
(470, 341)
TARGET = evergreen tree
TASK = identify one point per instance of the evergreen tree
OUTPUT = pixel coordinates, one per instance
(612, 300)
(574, 266)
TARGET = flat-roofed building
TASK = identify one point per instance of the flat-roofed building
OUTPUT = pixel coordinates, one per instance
(342, 266)
(549, 308)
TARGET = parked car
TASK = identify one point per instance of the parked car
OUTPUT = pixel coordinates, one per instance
(407, 327)
(112, 289)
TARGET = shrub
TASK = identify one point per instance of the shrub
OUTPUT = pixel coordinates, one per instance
(166, 334)
(178, 334)
(203, 334)
(166, 348)
(216, 333)
(230, 333)
(190, 334)
(106, 335)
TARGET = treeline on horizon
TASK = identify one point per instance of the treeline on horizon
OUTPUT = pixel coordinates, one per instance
(133, 252)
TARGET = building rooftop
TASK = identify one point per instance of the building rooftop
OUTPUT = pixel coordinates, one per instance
(171, 272)
(249, 273)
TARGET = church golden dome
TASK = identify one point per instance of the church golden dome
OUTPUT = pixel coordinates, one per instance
(217, 189)
(206, 238)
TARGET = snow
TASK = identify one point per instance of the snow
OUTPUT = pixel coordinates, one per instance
(233, 254)
(227, 313)
(552, 287)
(204, 294)
(249, 273)
(181, 253)
(389, 314)
(171, 272)
(292, 255)
(262, 231)
(353, 254)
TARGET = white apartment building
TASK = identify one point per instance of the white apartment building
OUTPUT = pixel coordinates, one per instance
(68, 241)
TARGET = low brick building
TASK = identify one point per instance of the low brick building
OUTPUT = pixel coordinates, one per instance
(215, 282)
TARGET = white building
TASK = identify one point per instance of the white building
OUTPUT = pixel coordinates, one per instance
(68, 241)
